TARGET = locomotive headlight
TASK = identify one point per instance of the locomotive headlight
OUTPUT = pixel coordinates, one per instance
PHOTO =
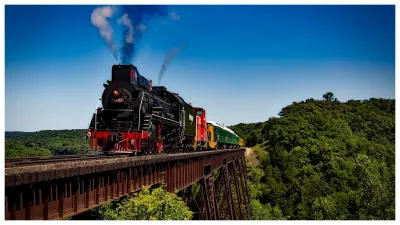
(116, 93)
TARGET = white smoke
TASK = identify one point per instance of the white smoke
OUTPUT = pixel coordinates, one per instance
(125, 20)
(99, 19)
(141, 27)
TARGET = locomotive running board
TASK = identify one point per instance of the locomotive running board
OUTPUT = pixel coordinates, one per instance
(163, 118)
(119, 110)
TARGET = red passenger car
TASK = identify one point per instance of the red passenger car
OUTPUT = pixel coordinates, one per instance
(201, 128)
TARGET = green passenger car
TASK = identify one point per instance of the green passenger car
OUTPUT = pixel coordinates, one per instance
(223, 135)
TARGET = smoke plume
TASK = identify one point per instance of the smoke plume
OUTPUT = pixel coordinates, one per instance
(171, 54)
(134, 21)
(99, 18)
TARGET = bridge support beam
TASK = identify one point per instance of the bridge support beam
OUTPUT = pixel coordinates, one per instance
(62, 189)
(219, 201)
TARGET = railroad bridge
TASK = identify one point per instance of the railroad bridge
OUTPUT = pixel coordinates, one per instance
(48, 188)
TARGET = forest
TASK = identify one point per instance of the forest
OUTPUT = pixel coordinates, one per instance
(46, 142)
(324, 159)
(317, 160)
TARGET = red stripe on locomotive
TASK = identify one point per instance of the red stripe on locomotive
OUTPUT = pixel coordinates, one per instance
(102, 137)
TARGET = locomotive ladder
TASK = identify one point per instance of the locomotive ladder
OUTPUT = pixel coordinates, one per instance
(147, 122)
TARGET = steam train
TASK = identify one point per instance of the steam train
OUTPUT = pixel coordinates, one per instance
(139, 118)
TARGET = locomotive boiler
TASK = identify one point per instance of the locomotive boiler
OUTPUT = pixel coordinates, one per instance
(136, 117)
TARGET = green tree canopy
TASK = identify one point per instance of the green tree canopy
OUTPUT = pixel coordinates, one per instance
(324, 159)
(55, 142)
(328, 96)
(156, 204)
(15, 149)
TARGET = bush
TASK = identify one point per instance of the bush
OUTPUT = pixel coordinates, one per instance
(156, 204)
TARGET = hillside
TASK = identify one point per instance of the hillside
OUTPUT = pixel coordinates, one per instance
(324, 159)
(47, 142)
(321, 159)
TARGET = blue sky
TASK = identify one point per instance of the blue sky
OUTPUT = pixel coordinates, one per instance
(241, 63)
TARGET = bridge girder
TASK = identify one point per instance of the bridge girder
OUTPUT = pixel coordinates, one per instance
(61, 191)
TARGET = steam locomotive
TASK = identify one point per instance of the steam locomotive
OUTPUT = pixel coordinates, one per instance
(137, 117)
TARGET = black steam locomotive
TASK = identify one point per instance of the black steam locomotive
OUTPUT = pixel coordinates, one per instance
(139, 118)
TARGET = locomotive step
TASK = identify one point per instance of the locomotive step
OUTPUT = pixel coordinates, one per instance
(156, 109)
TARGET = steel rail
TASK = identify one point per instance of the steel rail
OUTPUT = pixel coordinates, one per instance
(35, 161)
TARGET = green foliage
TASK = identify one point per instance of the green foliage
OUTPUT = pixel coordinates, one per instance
(156, 204)
(265, 212)
(11, 134)
(323, 159)
(47, 142)
(377, 188)
(14, 149)
(329, 96)
(251, 133)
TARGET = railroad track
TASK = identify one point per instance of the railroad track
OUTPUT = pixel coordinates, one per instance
(27, 161)
(39, 160)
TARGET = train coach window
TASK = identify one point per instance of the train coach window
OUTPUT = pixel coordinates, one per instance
(199, 112)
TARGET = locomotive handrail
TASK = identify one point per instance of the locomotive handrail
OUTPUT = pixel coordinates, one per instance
(118, 110)
(140, 108)
(164, 118)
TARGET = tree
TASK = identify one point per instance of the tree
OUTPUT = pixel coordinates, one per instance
(265, 212)
(324, 159)
(15, 149)
(56, 142)
(376, 190)
(329, 96)
(156, 204)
